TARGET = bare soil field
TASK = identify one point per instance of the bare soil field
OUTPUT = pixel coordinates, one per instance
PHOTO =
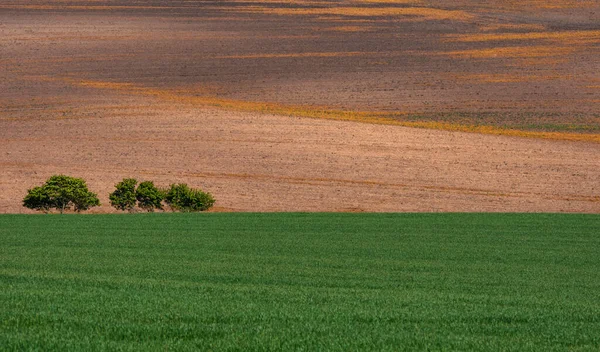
(215, 94)
(260, 162)
(528, 65)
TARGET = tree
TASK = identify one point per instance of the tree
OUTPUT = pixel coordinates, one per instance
(124, 196)
(182, 198)
(63, 193)
(149, 197)
(38, 199)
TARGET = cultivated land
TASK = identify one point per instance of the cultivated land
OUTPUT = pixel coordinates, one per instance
(176, 91)
(300, 281)
(525, 64)
(260, 162)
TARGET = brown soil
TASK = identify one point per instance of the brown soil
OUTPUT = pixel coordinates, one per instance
(87, 87)
(256, 162)
(525, 64)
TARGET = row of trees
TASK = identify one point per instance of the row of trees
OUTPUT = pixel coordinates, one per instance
(65, 193)
(179, 197)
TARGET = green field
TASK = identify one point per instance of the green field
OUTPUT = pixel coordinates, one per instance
(310, 282)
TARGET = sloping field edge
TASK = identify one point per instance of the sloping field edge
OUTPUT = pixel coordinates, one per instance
(325, 113)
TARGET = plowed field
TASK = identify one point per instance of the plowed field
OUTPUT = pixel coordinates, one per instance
(217, 94)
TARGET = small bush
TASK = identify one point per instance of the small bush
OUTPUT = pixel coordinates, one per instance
(149, 197)
(63, 193)
(182, 198)
(124, 196)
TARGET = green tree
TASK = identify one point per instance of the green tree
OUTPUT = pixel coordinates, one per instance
(180, 197)
(124, 197)
(149, 197)
(38, 199)
(63, 193)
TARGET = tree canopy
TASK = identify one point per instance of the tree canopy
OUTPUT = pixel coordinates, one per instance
(124, 197)
(63, 193)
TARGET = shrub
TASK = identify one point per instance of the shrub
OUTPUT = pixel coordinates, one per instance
(182, 198)
(149, 197)
(124, 196)
(63, 193)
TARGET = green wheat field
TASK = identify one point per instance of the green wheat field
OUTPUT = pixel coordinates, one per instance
(312, 282)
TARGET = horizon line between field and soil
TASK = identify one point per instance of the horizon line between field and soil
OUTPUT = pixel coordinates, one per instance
(373, 117)
(308, 213)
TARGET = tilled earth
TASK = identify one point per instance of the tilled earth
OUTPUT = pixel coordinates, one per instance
(258, 162)
(87, 87)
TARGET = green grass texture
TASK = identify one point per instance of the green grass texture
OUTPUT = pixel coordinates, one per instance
(300, 282)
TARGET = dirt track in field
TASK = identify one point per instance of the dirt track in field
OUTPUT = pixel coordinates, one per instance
(110, 89)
